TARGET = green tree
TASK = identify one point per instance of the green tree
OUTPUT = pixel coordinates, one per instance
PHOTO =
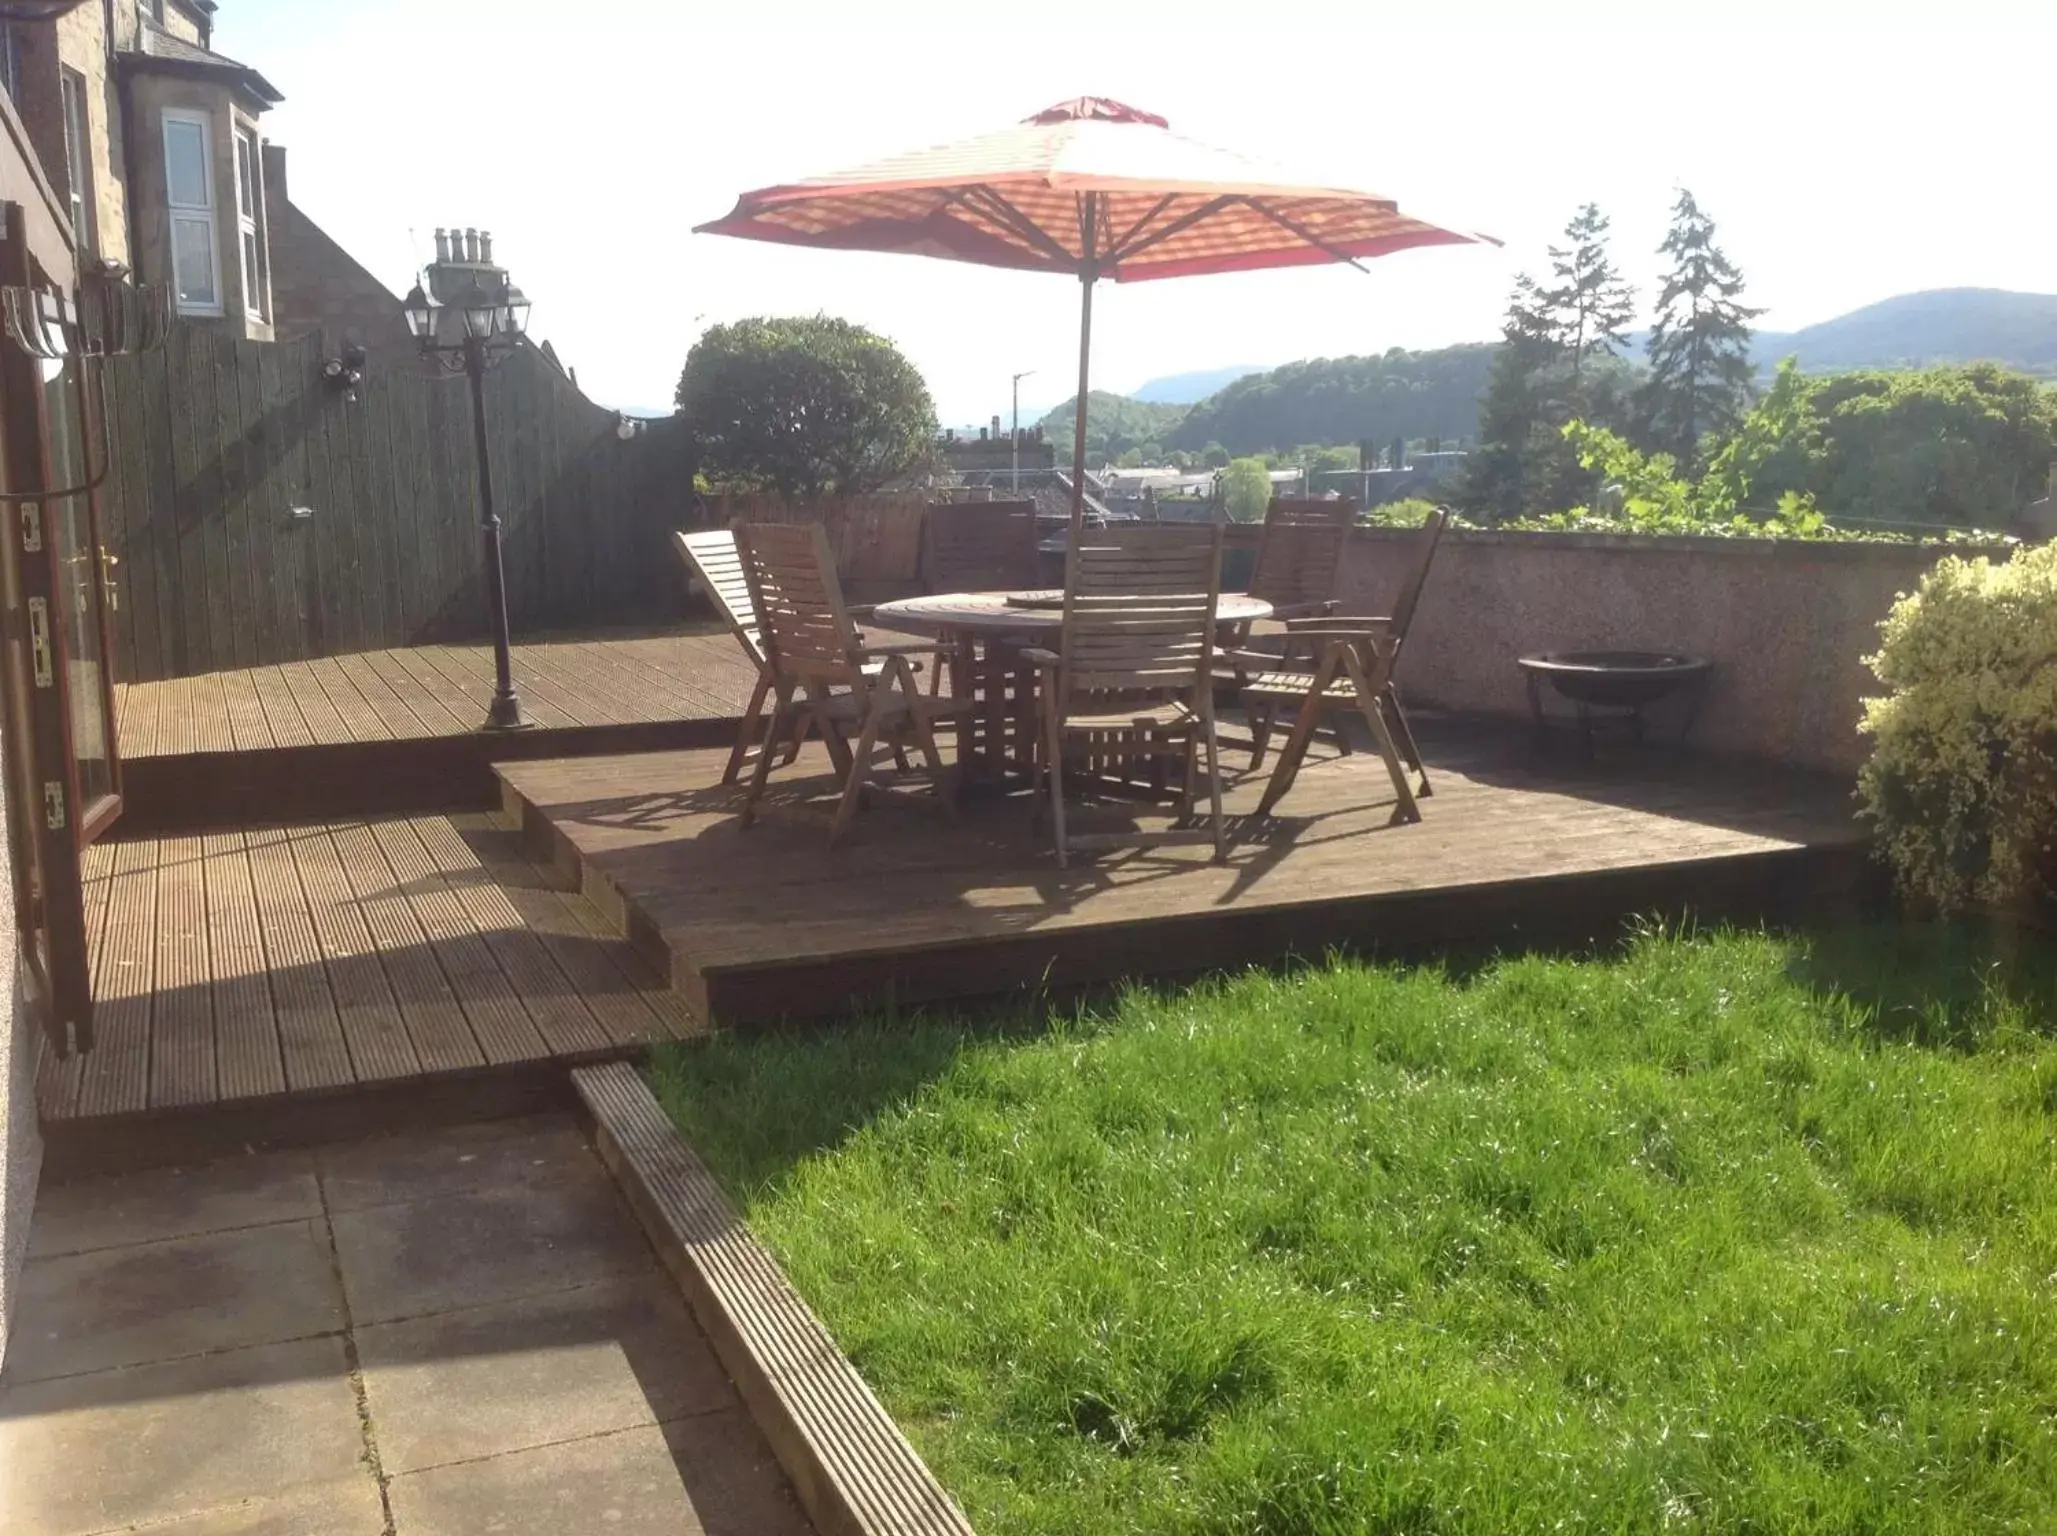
(1699, 347)
(1214, 456)
(1246, 490)
(804, 406)
(1590, 304)
(1513, 410)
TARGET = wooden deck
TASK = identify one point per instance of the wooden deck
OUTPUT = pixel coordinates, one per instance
(767, 923)
(397, 730)
(274, 965)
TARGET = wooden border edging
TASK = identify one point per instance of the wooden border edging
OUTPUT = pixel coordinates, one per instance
(853, 1470)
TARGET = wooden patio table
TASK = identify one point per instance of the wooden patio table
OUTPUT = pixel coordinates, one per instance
(986, 632)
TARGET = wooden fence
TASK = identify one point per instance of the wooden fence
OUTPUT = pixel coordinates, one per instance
(260, 515)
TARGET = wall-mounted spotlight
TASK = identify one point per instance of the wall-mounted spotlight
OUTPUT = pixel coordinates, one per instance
(346, 372)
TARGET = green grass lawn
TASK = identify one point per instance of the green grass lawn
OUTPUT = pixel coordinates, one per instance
(1732, 1234)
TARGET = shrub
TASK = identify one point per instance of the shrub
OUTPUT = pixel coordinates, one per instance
(1407, 512)
(806, 407)
(1246, 489)
(1962, 779)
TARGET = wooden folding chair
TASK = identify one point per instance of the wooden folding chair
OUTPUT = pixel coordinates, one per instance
(1133, 677)
(1300, 555)
(1264, 691)
(715, 563)
(812, 649)
(1354, 669)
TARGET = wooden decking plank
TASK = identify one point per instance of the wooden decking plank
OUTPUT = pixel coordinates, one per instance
(471, 669)
(282, 714)
(115, 1078)
(370, 1016)
(605, 694)
(207, 696)
(249, 731)
(395, 713)
(429, 704)
(248, 1058)
(360, 721)
(311, 1043)
(324, 724)
(498, 1021)
(435, 1022)
(182, 1051)
(58, 1079)
(666, 668)
(137, 733)
(563, 1019)
(632, 1001)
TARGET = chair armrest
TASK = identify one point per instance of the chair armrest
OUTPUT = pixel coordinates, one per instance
(1292, 611)
(906, 648)
(1264, 661)
(1042, 658)
(860, 610)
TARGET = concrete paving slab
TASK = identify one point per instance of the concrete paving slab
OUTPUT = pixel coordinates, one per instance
(481, 1382)
(453, 1160)
(341, 1509)
(119, 1209)
(163, 1301)
(488, 1246)
(706, 1476)
(161, 1442)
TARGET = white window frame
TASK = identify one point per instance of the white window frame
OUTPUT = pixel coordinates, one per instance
(250, 232)
(78, 159)
(207, 215)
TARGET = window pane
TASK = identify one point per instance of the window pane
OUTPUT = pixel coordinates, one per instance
(192, 259)
(253, 276)
(185, 164)
(78, 161)
(246, 176)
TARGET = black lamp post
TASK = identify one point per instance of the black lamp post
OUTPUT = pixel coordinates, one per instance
(469, 319)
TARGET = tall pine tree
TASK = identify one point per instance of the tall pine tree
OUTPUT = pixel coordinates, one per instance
(1699, 350)
(1514, 407)
(1590, 304)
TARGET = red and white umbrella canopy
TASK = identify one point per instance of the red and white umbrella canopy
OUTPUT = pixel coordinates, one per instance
(1088, 187)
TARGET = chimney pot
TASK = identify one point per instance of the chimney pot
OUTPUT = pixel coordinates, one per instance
(486, 245)
(471, 244)
(442, 244)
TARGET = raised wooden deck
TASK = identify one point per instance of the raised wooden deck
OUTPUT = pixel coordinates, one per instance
(398, 729)
(768, 923)
(282, 965)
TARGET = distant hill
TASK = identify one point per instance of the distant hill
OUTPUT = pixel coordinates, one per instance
(1913, 330)
(1435, 393)
(1343, 400)
(1114, 424)
(1191, 388)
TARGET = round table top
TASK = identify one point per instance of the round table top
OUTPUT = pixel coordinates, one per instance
(1018, 613)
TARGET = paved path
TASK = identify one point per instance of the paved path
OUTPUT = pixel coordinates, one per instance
(423, 1336)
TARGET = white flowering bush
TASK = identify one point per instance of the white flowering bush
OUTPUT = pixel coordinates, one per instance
(1962, 780)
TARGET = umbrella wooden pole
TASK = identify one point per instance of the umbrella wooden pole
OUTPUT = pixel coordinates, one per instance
(1078, 430)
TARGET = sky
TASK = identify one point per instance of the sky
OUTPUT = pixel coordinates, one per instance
(1847, 152)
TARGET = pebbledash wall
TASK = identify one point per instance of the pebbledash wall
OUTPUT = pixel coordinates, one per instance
(1786, 622)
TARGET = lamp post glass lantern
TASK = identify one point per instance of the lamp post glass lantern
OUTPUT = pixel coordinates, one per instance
(469, 317)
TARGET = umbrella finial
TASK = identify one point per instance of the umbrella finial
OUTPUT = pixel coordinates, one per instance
(1099, 109)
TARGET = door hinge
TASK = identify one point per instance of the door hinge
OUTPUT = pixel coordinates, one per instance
(39, 642)
(53, 804)
(31, 526)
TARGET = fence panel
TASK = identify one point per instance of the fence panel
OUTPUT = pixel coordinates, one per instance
(261, 516)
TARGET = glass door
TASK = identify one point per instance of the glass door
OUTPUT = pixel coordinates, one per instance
(83, 568)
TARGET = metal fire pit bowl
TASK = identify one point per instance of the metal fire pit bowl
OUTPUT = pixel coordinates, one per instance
(1614, 687)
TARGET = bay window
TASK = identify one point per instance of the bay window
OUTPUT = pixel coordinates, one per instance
(250, 223)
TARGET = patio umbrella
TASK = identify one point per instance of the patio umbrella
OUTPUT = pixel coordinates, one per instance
(1091, 188)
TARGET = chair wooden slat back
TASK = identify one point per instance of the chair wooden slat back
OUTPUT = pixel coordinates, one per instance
(979, 546)
(1300, 556)
(717, 564)
(798, 602)
(1408, 598)
(1139, 609)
